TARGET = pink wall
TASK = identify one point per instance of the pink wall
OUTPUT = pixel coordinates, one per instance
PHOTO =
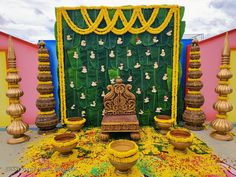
(26, 58)
(211, 50)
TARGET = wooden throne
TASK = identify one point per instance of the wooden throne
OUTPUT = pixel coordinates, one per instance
(120, 113)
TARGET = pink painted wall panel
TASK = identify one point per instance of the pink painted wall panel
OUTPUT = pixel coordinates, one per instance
(210, 59)
(26, 56)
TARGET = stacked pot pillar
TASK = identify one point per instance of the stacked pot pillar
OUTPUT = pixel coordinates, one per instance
(193, 116)
(46, 120)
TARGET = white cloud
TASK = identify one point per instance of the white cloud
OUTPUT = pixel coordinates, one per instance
(34, 19)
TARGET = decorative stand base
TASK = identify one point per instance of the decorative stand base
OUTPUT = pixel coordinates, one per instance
(221, 137)
(135, 136)
(194, 128)
(40, 132)
(17, 140)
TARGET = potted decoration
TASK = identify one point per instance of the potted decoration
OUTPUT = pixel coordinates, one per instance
(180, 138)
(65, 143)
(123, 155)
(163, 123)
(75, 123)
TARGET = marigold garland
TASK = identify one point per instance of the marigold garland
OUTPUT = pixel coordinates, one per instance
(62, 143)
(163, 120)
(180, 139)
(123, 154)
(67, 121)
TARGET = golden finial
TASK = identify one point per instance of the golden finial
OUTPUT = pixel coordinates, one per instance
(226, 45)
(11, 51)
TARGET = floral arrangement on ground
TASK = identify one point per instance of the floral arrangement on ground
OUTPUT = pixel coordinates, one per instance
(90, 158)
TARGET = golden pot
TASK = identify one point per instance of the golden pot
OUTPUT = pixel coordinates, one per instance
(65, 143)
(163, 122)
(123, 155)
(75, 123)
(180, 138)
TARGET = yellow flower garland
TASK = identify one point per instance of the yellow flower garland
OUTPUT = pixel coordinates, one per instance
(67, 121)
(221, 116)
(93, 27)
(47, 112)
(195, 53)
(43, 55)
(193, 109)
(194, 92)
(163, 120)
(44, 82)
(46, 95)
(123, 154)
(62, 144)
(180, 139)
(225, 67)
(12, 70)
(124, 160)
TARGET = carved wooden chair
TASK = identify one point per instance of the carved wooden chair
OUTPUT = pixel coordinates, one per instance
(120, 114)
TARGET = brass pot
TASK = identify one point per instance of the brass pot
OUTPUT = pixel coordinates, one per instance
(75, 123)
(180, 139)
(65, 143)
(163, 122)
(123, 155)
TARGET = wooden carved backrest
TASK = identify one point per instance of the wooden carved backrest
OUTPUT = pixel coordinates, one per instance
(119, 100)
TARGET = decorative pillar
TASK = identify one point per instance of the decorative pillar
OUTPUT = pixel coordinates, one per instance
(46, 120)
(221, 125)
(17, 128)
(193, 116)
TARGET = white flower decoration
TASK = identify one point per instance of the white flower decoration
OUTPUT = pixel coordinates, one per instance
(72, 107)
(102, 68)
(92, 55)
(169, 33)
(165, 77)
(100, 42)
(112, 55)
(93, 104)
(119, 40)
(103, 93)
(84, 69)
(83, 43)
(140, 112)
(166, 98)
(83, 113)
(155, 65)
(94, 84)
(129, 53)
(155, 40)
(82, 97)
(72, 85)
(158, 110)
(103, 112)
(138, 91)
(148, 53)
(147, 77)
(68, 37)
(121, 67)
(112, 81)
(146, 100)
(154, 90)
(75, 56)
(137, 65)
(130, 79)
(163, 53)
(138, 42)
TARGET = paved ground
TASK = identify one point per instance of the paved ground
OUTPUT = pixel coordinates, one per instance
(10, 153)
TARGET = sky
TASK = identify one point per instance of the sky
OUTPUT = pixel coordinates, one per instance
(33, 20)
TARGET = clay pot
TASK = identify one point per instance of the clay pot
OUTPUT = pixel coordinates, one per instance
(180, 139)
(45, 88)
(194, 100)
(75, 123)
(46, 104)
(194, 85)
(44, 77)
(125, 163)
(194, 119)
(194, 74)
(44, 67)
(194, 64)
(65, 143)
(163, 122)
(46, 123)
